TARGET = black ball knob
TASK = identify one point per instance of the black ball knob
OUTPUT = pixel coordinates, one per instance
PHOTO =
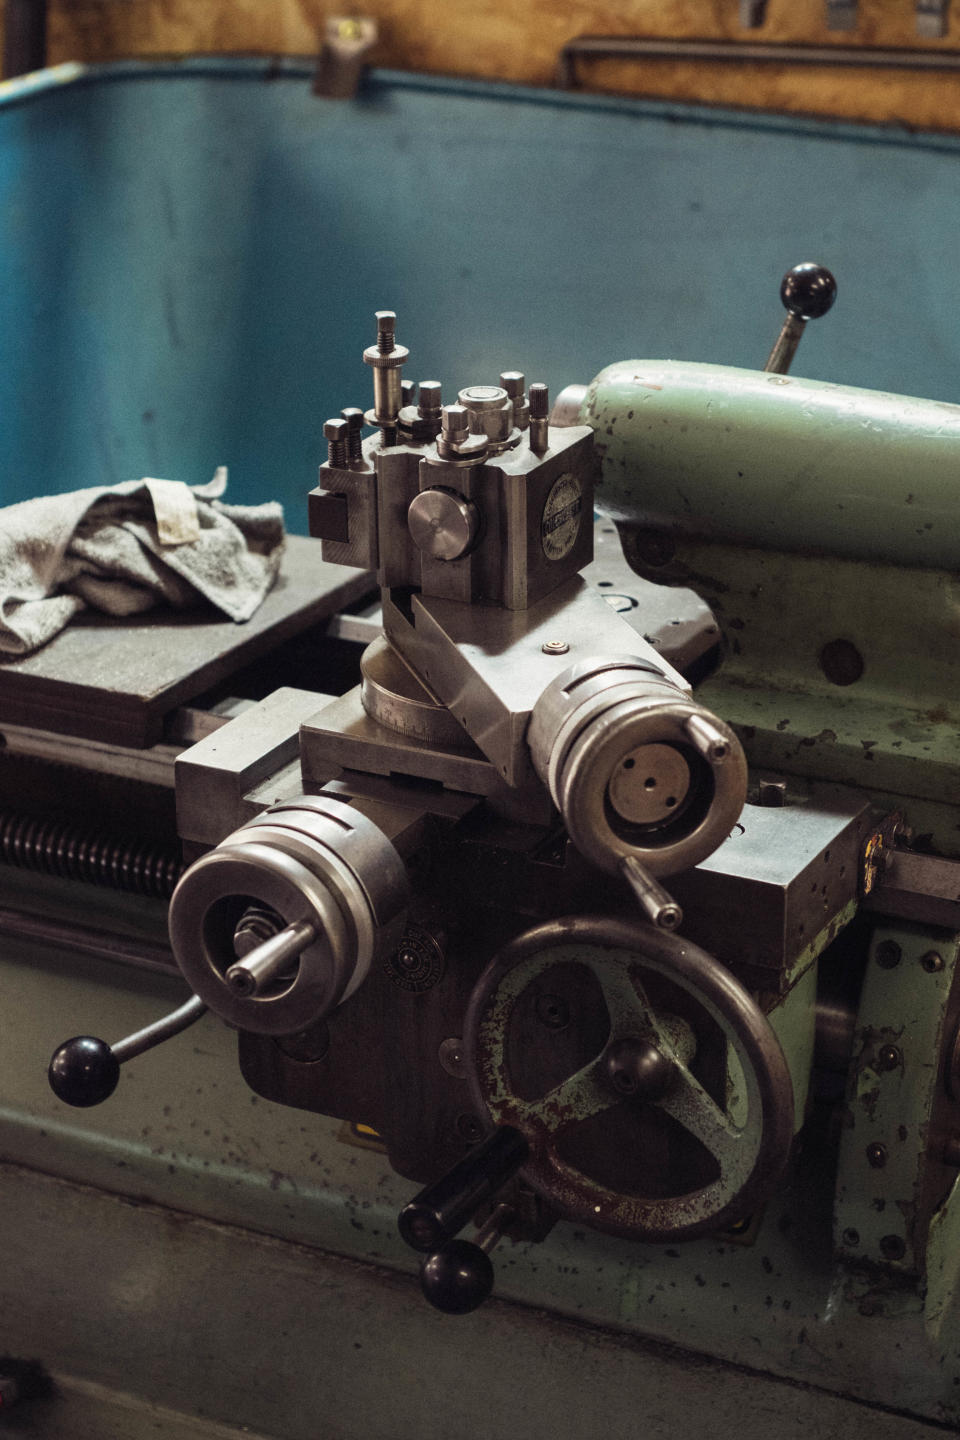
(84, 1071)
(457, 1278)
(808, 291)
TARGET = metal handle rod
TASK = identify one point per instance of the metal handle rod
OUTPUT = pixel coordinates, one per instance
(626, 47)
(785, 346)
(162, 1029)
(249, 975)
(659, 907)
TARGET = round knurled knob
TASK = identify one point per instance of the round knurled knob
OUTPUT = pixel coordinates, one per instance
(808, 291)
(84, 1071)
(457, 1278)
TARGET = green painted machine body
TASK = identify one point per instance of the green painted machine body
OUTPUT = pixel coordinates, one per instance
(779, 462)
(821, 523)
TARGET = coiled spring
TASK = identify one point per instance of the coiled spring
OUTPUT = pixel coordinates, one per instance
(55, 847)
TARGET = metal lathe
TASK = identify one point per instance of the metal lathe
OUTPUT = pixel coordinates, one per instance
(509, 911)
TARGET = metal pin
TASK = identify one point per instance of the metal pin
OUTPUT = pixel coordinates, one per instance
(659, 907)
(707, 740)
(249, 975)
(539, 398)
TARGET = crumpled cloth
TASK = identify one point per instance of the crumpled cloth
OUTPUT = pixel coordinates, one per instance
(127, 548)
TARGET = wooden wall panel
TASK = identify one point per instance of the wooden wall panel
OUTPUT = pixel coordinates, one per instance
(519, 40)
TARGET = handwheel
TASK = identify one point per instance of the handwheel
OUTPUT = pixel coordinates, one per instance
(738, 1117)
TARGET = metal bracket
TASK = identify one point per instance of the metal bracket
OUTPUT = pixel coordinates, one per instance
(346, 44)
(842, 14)
(753, 13)
(933, 18)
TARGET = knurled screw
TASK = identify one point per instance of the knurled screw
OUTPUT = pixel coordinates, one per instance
(932, 962)
(539, 397)
(337, 433)
(354, 419)
(877, 1155)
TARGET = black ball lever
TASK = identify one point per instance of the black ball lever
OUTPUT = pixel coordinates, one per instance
(807, 291)
(457, 1275)
(84, 1071)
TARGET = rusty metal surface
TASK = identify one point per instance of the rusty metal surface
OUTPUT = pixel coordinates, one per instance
(747, 1134)
(114, 681)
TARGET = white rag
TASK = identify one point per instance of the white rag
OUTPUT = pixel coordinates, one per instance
(126, 548)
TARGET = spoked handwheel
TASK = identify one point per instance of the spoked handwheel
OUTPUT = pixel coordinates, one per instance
(663, 996)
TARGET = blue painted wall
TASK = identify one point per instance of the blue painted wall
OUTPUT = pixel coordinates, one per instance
(190, 256)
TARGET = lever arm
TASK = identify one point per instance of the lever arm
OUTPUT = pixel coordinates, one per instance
(84, 1071)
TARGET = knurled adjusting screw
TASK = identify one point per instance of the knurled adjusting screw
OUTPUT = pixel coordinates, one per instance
(337, 434)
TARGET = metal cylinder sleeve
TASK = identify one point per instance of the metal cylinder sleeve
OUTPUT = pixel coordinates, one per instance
(635, 766)
(314, 865)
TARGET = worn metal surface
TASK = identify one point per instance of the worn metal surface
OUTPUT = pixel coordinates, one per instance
(746, 1126)
(899, 1119)
(676, 622)
(214, 776)
(115, 681)
(778, 462)
(889, 724)
(795, 870)
(489, 666)
(297, 1342)
(919, 887)
(183, 1131)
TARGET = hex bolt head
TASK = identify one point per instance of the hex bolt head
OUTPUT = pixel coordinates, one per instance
(386, 330)
(455, 421)
(355, 421)
(431, 402)
(513, 381)
(337, 434)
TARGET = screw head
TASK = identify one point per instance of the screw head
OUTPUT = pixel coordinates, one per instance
(553, 1012)
(888, 954)
(469, 1129)
(888, 1057)
(932, 962)
(555, 647)
(892, 1247)
(877, 1155)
